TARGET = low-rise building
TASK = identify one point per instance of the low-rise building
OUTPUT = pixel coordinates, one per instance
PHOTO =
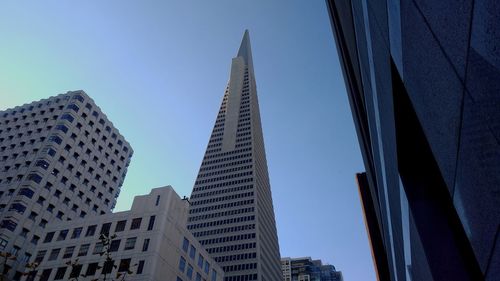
(148, 242)
(307, 269)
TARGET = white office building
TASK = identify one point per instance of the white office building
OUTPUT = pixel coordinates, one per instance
(149, 242)
(60, 159)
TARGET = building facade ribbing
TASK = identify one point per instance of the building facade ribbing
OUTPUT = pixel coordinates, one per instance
(422, 81)
(60, 159)
(231, 209)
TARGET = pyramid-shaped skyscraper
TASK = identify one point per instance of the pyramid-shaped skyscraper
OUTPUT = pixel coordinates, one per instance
(231, 209)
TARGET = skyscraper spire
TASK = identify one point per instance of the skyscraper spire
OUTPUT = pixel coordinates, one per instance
(231, 209)
(245, 50)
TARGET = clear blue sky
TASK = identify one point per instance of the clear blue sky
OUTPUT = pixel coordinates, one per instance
(158, 69)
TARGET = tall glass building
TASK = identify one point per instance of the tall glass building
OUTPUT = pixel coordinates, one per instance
(231, 209)
(423, 84)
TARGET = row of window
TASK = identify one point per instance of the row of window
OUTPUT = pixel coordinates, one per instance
(239, 267)
(99, 249)
(227, 183)
(223, 198)
(243, 139)
(203, 263)
(243, 134)
(217, 231)
(243, 144)
(222, 191)
(246, 236)
(223, 178)
(91, 270)
(230, 248)
(221, 222)
(223, 206)
(226, 153)
(205, 163)
(225, 171)
(222, 214)
(237, 257)
(234, 163)
(105, 229)
(245, 277)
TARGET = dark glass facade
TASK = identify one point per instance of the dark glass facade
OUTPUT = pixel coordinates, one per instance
(423, 80)
(307, 269)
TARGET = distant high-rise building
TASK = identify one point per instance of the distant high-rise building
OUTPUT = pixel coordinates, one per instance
(149, 242)
(60, 159)
(307, 269)
(231, 209)
(423, 83)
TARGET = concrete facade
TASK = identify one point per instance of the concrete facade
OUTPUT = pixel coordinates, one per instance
(231, 209)
(151, 241)
(60, 159)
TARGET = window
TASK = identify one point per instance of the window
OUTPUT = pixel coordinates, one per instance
(115, 244)
(151, 222)
(207, 267)
(198, 277)
(92, 269)
(73, 106)
(26, 192)
(75, 272)
(120, 226)
(9, 224)
(140, 267)
(40, 255)
(182, 264)
(51, 152)
(105, 228)
(50, 208)
(53, 254)
(62, 128)
(145, 246)
(68, 253)
(192, 252)
(60, 273)
(91, 230)
(43, 223)
(35, 239)
(42, 163)
(83, 250)
(35, 178)
(45, 274)
(55, 139)
(18, 207)
(130, 243)
(124, 265)
(157, 200)
(67, 117)
(136, 223)
(49, 237)
(62, 234)
(200, 260)
(98, 248)
(214, 275)
(179, 279)
(189, 272)
(185, 244)
(78, 97)
(76, 232)
(108, 267)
